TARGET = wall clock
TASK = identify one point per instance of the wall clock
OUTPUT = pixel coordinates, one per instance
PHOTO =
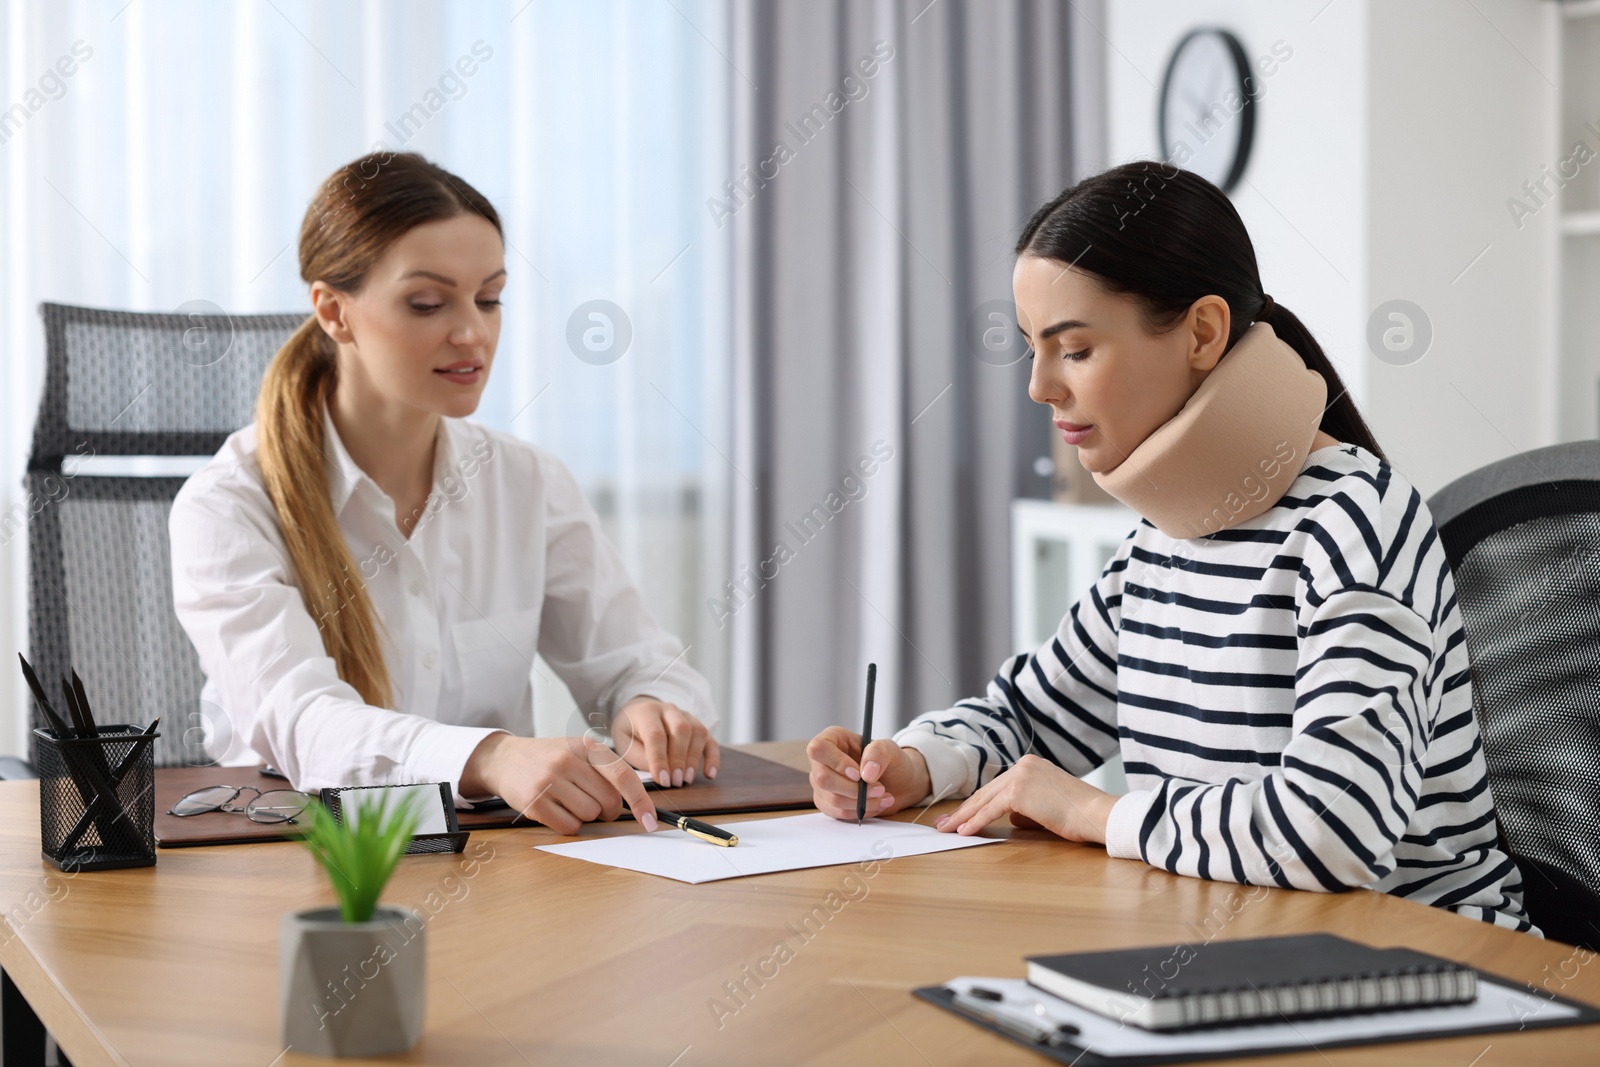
(1206, 114)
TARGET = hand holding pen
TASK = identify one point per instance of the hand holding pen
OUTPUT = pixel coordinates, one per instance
(895, 777)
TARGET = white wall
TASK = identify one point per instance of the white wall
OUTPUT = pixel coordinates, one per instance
(1460, 115)
(1385, 147)
(1303, 195)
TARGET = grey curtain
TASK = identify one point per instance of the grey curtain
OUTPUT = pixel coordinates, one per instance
(886, 155)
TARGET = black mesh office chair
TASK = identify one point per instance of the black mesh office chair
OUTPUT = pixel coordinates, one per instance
(128, 384)
(1523, 539)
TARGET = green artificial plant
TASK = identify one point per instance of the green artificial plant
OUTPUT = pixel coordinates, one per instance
(361, 853)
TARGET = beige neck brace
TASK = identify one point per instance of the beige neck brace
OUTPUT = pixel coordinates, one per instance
(1233, 449)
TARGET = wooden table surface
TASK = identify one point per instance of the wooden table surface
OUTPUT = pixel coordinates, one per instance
(539, 959)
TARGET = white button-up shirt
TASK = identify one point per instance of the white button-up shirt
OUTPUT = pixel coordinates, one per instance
(507, 560)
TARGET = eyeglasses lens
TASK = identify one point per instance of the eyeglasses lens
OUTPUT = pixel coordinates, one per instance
(203, 800)
(277, 805)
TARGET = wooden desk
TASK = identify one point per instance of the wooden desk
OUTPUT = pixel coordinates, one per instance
(538, 959)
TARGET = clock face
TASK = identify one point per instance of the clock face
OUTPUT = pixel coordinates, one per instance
(1207, 111)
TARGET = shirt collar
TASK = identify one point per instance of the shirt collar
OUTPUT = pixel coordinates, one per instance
(344, 474)
(445, 449)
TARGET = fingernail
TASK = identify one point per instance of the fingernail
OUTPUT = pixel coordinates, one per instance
(688, 776)
(941, 820)
(876, 791)
(711, 772)
(648, 821)
(887, 799)
(871, 768)
(663, 779)
(677, 776)
(852, 774)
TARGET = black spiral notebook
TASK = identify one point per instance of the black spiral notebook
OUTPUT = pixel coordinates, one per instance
(1180, 987)
(1410, 996)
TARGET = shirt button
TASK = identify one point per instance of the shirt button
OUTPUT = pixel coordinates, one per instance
(416, 587)
(430, 661)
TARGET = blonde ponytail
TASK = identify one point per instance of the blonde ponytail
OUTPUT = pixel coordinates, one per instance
(358, 212)
(290, 449)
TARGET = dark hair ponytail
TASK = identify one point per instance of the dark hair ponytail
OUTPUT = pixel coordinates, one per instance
(1167, 237)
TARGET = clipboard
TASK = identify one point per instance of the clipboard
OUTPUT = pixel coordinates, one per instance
(1079, 1056)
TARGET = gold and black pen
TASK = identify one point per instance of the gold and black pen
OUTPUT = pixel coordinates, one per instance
(703, 830)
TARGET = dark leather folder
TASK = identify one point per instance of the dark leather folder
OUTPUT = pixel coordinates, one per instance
(743, 783)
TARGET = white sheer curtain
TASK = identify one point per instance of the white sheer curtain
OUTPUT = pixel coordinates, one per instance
(175, 160)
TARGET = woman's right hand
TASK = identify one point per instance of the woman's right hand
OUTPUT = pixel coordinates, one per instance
(897, 777)
(561, 782)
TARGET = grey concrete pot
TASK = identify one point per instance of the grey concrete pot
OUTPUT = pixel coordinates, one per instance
(352, 989)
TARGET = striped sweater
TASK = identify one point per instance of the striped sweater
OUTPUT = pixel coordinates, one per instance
(1291, 698)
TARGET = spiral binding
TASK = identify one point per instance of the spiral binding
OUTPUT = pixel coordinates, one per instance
(1375, 990)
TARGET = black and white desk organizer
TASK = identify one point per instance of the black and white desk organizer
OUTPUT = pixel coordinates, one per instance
(97, 784)
(97, 798)
(439, 833)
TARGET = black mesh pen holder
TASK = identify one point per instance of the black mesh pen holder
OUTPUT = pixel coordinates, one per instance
(97, 798)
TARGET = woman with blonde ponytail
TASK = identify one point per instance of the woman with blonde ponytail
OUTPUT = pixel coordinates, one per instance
(367, 575)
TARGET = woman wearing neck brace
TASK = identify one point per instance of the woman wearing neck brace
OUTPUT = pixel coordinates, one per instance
(1275, 650)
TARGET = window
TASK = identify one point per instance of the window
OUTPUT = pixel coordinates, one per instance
(174, 162)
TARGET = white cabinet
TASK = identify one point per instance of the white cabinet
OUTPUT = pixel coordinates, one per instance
(1057, 553)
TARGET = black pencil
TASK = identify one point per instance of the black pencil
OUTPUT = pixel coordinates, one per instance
(79, 770)
(866, 739)
(57, 725)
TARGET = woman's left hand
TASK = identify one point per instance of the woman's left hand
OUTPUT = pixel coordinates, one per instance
(1037, 795)
(664, 740)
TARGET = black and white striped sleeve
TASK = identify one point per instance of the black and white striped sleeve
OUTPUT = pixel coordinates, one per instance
(1058, 702)
(1346, 786)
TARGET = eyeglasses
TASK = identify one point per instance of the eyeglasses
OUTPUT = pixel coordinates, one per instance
(273, 806)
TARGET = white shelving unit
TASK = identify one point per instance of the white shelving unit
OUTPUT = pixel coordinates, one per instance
(1578, 257)
(1057, 552)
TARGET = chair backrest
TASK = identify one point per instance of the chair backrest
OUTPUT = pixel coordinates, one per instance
(1523, 539)
(129, 384)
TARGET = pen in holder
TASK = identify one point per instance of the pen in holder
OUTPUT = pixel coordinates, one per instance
(97, 798)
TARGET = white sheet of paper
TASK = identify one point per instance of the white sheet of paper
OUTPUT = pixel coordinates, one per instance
(1106, 1036)
(791, 843)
